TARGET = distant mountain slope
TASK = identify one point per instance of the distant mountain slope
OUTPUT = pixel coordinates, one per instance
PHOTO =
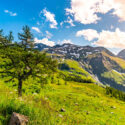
(77, 52)
(121, 54)
(98, 61)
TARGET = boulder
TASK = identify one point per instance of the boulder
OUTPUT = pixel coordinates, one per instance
(62, 110)
(18, 119)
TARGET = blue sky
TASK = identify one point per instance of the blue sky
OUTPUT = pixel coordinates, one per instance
(67, 21)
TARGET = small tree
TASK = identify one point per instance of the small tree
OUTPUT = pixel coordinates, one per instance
(21, 61)
(27, 40)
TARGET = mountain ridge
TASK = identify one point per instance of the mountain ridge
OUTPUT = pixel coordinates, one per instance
(98, 61)
(121, 54)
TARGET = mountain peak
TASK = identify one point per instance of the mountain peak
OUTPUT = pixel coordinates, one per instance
(77, 52)
(121, 54)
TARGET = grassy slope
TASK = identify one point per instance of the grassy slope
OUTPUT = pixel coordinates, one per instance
(77, 70)
(119, 61)
(84, 104)
(119, 78)
(76, 66)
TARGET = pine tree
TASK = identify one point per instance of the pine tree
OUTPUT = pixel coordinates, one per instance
(26, 37)
(22, 61)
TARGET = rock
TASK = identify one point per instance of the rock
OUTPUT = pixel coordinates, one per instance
(46, 98)
(113, 107)
(35, 94)
(76, 104)
(18, 119)
(87, 112)
(60, 116)
(120, 118)
(62, 110)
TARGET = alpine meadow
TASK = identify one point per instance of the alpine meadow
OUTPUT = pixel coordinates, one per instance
(62, 62)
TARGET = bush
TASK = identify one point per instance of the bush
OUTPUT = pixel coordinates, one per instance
(64, 66)
(77, 78)
(115, 93)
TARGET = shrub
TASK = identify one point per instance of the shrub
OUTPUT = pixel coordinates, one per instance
(115, 93)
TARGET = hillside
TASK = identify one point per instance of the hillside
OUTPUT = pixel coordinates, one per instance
(71, 96)
(98, 61)
(71, 104)
(121, 54)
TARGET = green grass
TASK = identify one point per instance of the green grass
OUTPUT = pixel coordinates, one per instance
(119, 78)
(75, 66)
(73, 71)
(85, 104)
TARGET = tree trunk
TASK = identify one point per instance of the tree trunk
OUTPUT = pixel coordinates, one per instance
(20, 87)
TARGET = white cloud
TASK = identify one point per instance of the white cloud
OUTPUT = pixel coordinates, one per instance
(120, 9)
(85, 11)
(105, 38)
(10, 13)
(51, 18)
(45, 41)
(89, 34)
(111, 39)
(48, 35)
(36, 29)
(66, 41)
(70, 21)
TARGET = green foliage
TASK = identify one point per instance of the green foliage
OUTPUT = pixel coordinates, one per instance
(22, 61)
(78, 78)
(26, 37)
(63, 66)
(115, 93)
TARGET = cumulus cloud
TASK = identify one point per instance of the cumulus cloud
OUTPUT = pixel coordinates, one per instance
(10, 13)
(111, 39)
(45, 41)
(66, 41)
(50, 17)
(85, 11)
(36, 29)
(89, 34)
(105, 38)
(120, 9)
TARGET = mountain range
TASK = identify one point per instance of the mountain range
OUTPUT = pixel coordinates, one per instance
(104, 66)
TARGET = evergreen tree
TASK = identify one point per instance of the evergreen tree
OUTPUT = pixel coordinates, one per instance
(21, 61)
(26, 37)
